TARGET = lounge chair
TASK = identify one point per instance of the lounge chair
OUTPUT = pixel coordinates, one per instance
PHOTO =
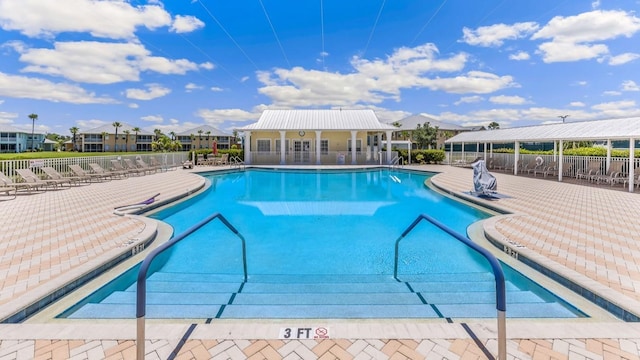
(144, 166)
(117, 166)
(97, 169)
(591, 172)
(9, 191)
(222, 160)
(154, 163)
(615, 170)
(6, 181)
(30, 177)
(533, 165)
(130, 166)
(549, 169)
(87, 176)
(53, 174)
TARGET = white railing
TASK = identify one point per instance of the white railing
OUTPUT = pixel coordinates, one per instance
(167, 160)
(309, 158)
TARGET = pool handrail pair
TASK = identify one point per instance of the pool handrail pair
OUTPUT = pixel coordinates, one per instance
(501, 298)
(141, 292)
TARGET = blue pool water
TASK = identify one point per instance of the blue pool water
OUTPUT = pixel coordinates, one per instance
(321, 244)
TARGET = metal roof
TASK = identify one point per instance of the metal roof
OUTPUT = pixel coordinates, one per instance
(318, 120)
(611, 129)
(214, 131)
(109, 129)
(12, 129)
(411, 122)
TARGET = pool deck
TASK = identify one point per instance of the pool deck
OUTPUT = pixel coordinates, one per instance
(589, 235)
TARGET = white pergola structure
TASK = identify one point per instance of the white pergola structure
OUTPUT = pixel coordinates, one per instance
(626, 129)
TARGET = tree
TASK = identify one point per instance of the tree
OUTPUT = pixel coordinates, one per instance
(74, 130)
(173, 135)
(116, 125)
(33, 118)
(200, 138)
(493, 125)
(104, 136)
(208, 134)
(136, 130)
(158, 132)
(425, 136)
(126, 139)
(164, 143)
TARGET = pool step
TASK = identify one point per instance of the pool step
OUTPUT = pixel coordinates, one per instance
(321, 296)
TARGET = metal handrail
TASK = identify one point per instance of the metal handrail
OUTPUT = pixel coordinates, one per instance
(141, 294)
(396, 162)
(501, 300)
(236, 161)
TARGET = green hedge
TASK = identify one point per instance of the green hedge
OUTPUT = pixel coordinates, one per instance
(590, 151)
(232, 152)
(423, 156)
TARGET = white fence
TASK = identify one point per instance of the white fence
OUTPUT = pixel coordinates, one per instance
(329, 158)
(8, 167)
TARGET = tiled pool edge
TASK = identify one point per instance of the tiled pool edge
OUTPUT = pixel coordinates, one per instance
(604, 302)
(69, 285)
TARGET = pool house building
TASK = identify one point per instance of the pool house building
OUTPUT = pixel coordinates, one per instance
(317, 137)
(14, 140)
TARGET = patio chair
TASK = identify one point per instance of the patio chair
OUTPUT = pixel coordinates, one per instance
(533, 165)
(87, 176)
(549, 169)
(153, 162)
(117, 166)
(6, 181)
(222, 160)
(131, 166)
(97, 169)
(615, 170)
(30, 177)
(144, 166)
(590, 172)
(53, 174)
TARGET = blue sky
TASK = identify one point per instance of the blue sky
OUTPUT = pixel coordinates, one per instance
(178, 64)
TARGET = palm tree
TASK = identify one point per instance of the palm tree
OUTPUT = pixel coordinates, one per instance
(136, 130)
(208, 133)
(126, 139)
(33, 118)
(173, 135)
(116, 125)
(200, 138)
(104, 136)
(158, 132)
(493, 125)
(74, 130)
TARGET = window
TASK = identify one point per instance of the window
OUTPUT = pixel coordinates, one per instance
(358, 145)
(324, 147)
(286, 146)
(264, 145)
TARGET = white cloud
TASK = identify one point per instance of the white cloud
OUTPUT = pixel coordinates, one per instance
(153, 91)
(216, 89)
(630, 85)
(595, 4)
(612, 93)
(574, 37)
(217, 116)
(106, 19)
(373, 81)
(133, 106)
(521, 55)
(191, 86)
(469, 100)
(152, 118)
(577, 104)
(623, 58)
(91, 124)
(184, 24)
(510, 100)
(495, 35)
(207, 65)
(623, 108)
(100, 63)
(40, 89)
(581, 83)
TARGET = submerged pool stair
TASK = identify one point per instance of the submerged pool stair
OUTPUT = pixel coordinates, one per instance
(209, 296)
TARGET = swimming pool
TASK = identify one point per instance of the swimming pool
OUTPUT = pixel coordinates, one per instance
(320, 244)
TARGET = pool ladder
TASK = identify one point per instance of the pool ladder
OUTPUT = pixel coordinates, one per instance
(501, 302)
(141, 293)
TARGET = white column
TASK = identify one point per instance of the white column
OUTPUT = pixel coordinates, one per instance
(632, 146)
(247, 147)
(608, 154)
(477, 149)
(283, 148)
(462, 156)
(555, 150)
(560, 160)
(318, 152)
(353, 147)
(516, 155)
(484, 150)
(389, 147)
(450, 153)
(491, 150)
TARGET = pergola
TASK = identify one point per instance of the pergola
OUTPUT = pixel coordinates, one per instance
(627, 129)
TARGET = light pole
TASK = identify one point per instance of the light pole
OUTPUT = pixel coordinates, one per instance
(563, 117)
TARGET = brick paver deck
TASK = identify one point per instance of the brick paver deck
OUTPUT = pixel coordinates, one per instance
(587, 234)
